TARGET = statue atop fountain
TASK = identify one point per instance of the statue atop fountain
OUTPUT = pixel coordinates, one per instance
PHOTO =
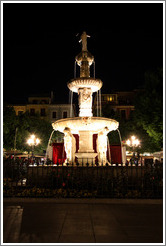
(85, 126)
(83, 39)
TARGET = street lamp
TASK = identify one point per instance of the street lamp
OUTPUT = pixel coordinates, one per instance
(133, 142)
(33, 141)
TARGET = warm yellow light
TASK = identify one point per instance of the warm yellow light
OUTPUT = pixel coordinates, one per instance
(29, 141)
(133, 142)
(128, 142)
(136, 142)
(109, 99)
(33, 140)
(33, 136)
(37, 140)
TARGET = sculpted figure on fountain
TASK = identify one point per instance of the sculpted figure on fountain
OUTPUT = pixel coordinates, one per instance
(83, 39)
(68, 143)
(84, 59)
(102, 146)
(85, 102)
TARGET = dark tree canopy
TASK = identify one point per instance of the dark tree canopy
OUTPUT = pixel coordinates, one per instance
(21, 127)
(146, 121)
(9, 126)
(149, 107)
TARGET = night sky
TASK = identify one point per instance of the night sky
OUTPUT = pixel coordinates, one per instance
(41, 42)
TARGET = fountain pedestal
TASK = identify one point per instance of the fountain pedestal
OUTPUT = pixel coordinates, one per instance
(84, 158)
(85, 142)
(86, 152)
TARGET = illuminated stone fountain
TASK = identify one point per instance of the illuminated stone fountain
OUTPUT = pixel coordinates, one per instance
(85, 125)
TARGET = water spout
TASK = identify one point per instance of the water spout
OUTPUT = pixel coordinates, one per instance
(48, 146)
(71, 104)
(120, 140)
(109, 152)
(63, 154)
(94, 69)
(100, 101)
(75, 69)
(69, 97)
(97, 104)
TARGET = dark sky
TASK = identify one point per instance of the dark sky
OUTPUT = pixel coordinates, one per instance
(40, 45)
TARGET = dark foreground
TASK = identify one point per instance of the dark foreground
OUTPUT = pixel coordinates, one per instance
(82, 221)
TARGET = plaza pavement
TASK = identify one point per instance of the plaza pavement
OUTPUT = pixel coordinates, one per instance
(82, 221)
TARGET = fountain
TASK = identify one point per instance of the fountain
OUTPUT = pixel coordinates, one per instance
(85, 126)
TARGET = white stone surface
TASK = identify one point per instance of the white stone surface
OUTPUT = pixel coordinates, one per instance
(94, 124)
(75, 84)
(85, 102)
(85, 125)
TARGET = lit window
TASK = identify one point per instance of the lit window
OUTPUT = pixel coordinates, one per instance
(109, 98)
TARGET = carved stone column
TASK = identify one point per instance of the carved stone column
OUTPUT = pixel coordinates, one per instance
(85, 102)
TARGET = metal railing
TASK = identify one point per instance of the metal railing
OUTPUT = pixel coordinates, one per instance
(21, 178)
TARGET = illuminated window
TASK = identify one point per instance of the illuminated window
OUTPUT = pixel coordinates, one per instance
(109, 98)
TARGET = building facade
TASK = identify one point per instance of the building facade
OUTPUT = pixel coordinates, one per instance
(46, 108)
(121, 103)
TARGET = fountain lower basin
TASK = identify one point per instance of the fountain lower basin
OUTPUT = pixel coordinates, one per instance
(92, 124)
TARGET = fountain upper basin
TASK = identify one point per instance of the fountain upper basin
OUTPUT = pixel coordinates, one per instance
(75, 84)
(93, 124)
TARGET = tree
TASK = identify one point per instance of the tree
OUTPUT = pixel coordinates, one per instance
(146, 121)
(9, 126)
(21, 127)
(149, 107)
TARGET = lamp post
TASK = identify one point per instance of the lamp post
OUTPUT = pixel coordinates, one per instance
(33, 141)
(133, 142)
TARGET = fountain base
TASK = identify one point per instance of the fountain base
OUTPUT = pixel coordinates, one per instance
(85, 157)
(85, 127)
